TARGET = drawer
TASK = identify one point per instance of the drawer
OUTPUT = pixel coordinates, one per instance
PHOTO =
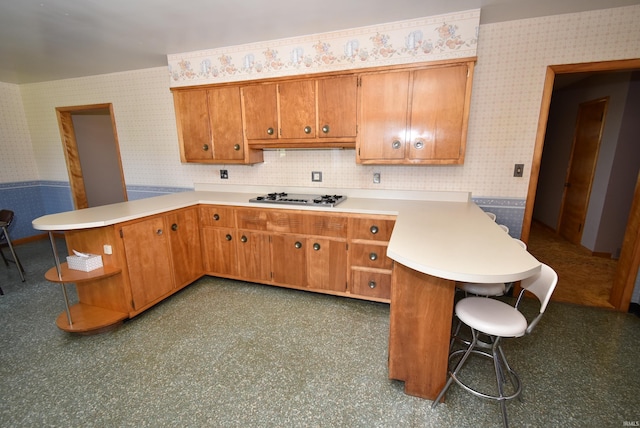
(371, 228)
(252, 218)
(327, 225)
(217, 216)
(371, 284)
(370, 255)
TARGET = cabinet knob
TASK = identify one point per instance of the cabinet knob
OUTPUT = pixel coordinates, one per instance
(205, 147)
(316, 246)
(307, 130)
(174, 227)
(216, 217)
(270, 131)
(243, 238)
(298, 244)
(372, 284)
(236, 147)
(373, 257)
(228, 237)
(325, 129)
(159, 232)
(374, 229)
(396, 144)
(418, 144)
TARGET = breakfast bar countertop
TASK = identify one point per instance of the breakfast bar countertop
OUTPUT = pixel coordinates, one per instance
(443, 234)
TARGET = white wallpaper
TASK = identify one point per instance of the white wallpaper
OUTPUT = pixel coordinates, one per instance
(507, 90)
(422, 39)
(16, 159)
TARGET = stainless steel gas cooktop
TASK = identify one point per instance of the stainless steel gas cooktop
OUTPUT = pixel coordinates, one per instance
(299, 199)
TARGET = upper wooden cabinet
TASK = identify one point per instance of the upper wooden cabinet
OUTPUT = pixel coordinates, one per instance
(414, 116)
(302, 113)
(209, 125)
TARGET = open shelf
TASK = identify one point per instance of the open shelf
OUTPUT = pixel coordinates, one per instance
(76, 276)
(89, 319)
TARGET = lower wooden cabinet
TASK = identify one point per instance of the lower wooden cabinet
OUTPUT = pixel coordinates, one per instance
(254, 255)
(162, 254)
(369, 266)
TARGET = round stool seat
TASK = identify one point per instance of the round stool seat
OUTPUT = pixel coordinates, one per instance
(491, 317)
(490, 289)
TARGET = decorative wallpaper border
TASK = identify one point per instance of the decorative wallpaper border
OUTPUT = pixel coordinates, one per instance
(435, 38)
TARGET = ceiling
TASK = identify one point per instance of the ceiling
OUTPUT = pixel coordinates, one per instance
(43, 40)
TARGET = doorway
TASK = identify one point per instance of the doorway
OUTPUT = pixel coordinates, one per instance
(627, 267)
(92, 154)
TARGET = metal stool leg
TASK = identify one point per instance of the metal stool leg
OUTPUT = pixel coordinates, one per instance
(13, 253)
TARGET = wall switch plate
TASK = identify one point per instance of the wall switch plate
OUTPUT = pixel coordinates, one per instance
(316, 176)
(518, 170)
(224, 174)
(376, 177)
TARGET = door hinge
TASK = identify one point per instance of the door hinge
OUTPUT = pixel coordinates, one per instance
(133, 304)
(580, 227)
(121, 234)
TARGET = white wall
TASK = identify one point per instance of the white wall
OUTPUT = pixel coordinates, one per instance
(16, 157)
(512, 59)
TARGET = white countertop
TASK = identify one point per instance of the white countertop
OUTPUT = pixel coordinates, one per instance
(442, 234)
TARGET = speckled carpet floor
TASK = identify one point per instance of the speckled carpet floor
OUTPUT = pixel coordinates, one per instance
(231, 354)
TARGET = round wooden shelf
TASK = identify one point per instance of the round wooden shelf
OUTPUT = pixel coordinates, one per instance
(89, 319)
(76, 276)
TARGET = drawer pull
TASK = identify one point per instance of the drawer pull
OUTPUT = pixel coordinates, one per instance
(298, 245)
(372, 284)
(159, 232)
(419, 144)
(373, 257)
(307, 130)
(236, 147)
(228, 237)
(270, 131)
(205, 147)
(174, 227)
(243, 238)
(316, 246)
(396, 144)
(325, 129)
(374, 229)
(216, 217)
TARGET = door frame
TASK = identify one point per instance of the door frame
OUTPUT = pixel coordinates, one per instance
(71, 155)
(629, 261)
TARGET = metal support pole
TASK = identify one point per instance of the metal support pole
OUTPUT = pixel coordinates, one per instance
(59, 270)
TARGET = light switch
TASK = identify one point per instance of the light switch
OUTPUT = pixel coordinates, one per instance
(316, 176)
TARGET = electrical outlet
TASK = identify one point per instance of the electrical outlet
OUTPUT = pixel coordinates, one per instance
(316, 176)
(224, 174)
(376, 177)
(518, 170)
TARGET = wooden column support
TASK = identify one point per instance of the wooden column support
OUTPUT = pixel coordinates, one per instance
(420, 330)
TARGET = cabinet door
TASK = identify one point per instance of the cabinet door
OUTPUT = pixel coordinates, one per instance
(337, 107)
(326, 264)
(297, 109)
(225, 115)
(260, 110)
(383, 115)
(254, 256)
(184, 237)
(220, 250)
(437, 113)
(192, 119)
(148, 257)
(288, 260)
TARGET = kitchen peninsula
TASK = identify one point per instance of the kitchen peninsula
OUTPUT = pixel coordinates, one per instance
(432, 240)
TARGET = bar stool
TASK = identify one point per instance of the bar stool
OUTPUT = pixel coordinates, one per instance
(6, 217)
(496, 320)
